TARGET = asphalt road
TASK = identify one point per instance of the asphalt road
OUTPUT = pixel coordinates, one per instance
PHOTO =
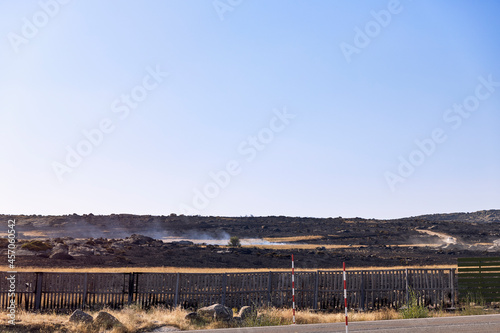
(476, 324)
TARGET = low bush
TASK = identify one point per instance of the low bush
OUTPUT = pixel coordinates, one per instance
(36, 245)
(472, 305)
(413, 309)
(234, 241)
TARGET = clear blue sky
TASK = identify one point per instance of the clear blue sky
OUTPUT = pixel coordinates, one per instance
(356, 84)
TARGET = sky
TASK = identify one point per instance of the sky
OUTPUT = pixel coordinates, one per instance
(374, 109)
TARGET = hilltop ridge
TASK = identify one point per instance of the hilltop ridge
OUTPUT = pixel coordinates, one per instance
(482, 216)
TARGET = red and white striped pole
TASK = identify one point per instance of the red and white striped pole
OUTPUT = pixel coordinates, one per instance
(293, 292)
(345, 301)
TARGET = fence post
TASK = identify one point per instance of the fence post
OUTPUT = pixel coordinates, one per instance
(316, 287)
(224, 286)
(131, 288)
(38, 291)
(345, 299)
(363, 293)
(452, 285)
(480, 282)
(85, 289)
(407, 287)
(176, 296)
(293, 292)
(269, 286)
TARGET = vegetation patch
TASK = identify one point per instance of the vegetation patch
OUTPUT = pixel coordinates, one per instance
(36, 245)
(234, 241)
(136, 320)
(413, 309)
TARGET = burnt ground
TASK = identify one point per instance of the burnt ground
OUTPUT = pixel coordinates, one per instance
(197, 256)
(93, 246)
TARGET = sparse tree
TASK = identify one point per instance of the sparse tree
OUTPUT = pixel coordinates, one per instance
(234, 241)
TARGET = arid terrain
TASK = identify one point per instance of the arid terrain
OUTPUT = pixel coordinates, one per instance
(268, 242)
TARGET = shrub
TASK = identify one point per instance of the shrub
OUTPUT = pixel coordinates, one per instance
(36, 245)
(413, 309)
(234, 241)
(472, 305)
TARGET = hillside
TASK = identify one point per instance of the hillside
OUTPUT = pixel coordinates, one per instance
(104, 241)
(465, 226)
(482, 216)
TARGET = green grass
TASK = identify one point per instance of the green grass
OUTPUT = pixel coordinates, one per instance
(36, 245)
(472, 305)
(413, 309)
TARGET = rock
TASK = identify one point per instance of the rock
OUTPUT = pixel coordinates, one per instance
(106, 320)
(139, 239)
(44, 254)
(191, 316)
(237, 320)
(81, 251)
(217, 312)
(245, 312)
(99, 251)
(73, 242)
(78, 316)
(118, 245)
(61, 255)
(157, 243)
(225, 314)
(60, 247)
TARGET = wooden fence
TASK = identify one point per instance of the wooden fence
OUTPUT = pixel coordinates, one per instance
(479, 279)
(372, 289)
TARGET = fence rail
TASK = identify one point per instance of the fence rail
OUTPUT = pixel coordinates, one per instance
(314, 290)
(479, 278)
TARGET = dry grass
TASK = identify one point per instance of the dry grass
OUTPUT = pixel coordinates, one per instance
(404, 267)
(327, 246)
(312, 317)
(35, 233)
(291, 239)
(300, 246)
(138, 320)
(133, 320)
(164, 269)
(161, 269)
